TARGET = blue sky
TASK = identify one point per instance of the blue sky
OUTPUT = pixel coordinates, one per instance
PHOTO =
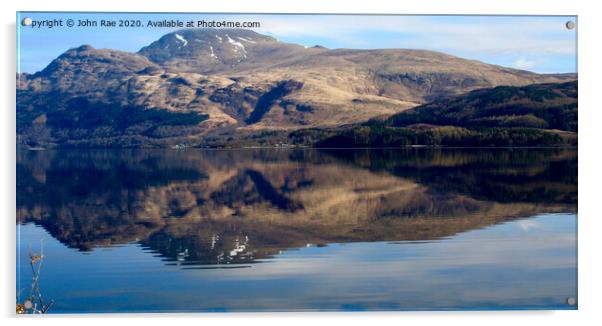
(536, 43)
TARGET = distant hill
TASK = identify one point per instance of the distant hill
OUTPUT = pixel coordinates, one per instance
(542, 106)
(533, 115)
(194, 84)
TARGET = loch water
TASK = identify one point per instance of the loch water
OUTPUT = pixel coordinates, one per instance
(159, 230)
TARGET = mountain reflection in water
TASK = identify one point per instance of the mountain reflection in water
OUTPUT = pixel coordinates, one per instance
(196, 208)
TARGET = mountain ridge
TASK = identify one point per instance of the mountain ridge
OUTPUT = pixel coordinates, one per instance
(235, 78)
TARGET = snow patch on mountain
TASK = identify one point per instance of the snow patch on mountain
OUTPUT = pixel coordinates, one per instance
(235, 43)
(238, 47)
(212, 53)
(182, 39)
(249, 40)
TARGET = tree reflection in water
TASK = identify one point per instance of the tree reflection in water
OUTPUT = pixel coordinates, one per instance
(198, 208)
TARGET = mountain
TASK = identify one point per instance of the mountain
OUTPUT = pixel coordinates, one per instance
(192, 84)
(211, 51)
(538, 114)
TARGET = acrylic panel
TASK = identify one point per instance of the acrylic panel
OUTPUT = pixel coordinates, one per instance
(190, 162)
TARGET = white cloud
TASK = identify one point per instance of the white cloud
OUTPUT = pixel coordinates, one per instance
(485, 35)
(525, 64)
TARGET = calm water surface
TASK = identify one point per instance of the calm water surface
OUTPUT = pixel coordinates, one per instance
(268, 230)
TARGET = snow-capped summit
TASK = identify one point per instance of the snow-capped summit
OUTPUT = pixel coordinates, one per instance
(211, 50)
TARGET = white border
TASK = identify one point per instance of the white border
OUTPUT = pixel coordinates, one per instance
(590, 224)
